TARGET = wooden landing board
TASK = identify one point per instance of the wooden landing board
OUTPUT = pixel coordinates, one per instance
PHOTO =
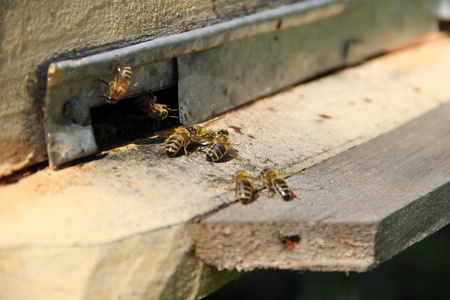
(122, 222)
(354, 211)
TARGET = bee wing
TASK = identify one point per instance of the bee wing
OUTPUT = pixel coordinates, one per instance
(166, 132)
(118, 63)
(234, 153)
(213, 120)
(290, 174)
(225, 183)
(161, 135)
(203, 141)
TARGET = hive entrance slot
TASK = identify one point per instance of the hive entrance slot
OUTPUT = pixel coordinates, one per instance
(118, 124)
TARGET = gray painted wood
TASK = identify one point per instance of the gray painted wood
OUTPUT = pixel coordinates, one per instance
(354, 211)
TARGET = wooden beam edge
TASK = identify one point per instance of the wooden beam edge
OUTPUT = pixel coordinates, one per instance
(256, 236)
(413, 223)
(287, 245)
(321, 246)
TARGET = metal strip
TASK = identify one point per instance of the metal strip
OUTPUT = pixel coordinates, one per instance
(167, 48)
(217, 80)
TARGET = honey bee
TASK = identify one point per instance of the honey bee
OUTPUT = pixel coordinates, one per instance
(220, 147)
(151, 108)
(201, 134)
(179, 139)
(273, 181)
(245, 190)
(118, 87)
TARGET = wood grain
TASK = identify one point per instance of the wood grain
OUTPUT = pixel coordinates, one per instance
(35, 34)
(354, 211)
(121, 222)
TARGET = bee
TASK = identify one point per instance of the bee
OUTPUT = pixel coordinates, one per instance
(151, 108)
(273, 181)
(245, 190)
(118, 87)
(201, 134)
(221, 146)
(179, 139)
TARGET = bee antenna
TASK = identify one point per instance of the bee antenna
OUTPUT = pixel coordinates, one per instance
(151, 94)
(101, 80)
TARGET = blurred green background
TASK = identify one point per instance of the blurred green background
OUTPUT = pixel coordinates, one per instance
(420, 272)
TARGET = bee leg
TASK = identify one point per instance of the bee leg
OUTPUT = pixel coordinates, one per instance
(257, 191)
(118, 63)
(232, 186)
(202, 148)
(271, 189)
(101, 80)
(236, 195)
(157, 125)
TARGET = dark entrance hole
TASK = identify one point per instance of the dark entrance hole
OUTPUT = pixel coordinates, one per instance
(118, 124)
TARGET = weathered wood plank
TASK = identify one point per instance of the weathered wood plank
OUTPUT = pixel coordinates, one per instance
(353, 212)
(119, 225)
(35, 34)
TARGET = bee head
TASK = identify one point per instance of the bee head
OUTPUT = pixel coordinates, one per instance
(192, 130)
(110, 100)
(223, 132)
(268, 173)
(242, 174)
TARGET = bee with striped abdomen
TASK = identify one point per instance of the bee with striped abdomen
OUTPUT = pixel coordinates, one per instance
(153, 109)
(221, 146)
(118, 87)
(274, 182)
(245, 190)
(179, 139)
(200, 134)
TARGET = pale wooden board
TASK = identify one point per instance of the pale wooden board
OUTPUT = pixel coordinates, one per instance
(120, 221)
(353, 212)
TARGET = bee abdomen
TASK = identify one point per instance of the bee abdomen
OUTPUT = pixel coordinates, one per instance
(216, 152)
(283, 189)
(127, 73)
(173, 145)
(245, 193)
